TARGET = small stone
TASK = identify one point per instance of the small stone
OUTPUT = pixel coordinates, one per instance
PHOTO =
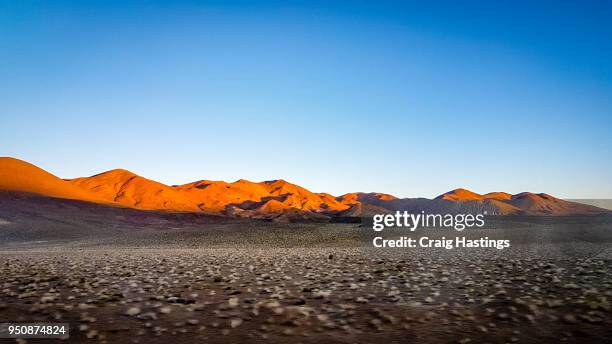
(233, 302)
(235, 322)
(132, 311)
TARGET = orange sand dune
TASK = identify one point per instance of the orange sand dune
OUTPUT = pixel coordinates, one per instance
(269, 197)
(127, 189)
(276, 199)
(124, 188)
(18, 175)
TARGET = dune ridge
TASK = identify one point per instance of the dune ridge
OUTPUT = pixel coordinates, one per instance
(276, 199)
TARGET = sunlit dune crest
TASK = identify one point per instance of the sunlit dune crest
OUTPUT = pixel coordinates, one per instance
(18, 175)
(464, 195)
(275, 199)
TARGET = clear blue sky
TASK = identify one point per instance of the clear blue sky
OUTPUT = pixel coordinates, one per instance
(396, 97)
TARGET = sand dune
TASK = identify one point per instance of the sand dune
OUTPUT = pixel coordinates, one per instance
(265, 198)
(18, 175)
(275, 200)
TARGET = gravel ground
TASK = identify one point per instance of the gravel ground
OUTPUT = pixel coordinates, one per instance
(120, 276)
(306, 296)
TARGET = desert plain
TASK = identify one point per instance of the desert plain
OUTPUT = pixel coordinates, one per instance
(121, 275)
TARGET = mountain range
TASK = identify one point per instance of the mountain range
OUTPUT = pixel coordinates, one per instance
(276, 200)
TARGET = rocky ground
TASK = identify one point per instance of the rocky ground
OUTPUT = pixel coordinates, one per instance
(306, 296)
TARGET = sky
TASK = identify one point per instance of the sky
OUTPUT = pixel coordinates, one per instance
(406, 98)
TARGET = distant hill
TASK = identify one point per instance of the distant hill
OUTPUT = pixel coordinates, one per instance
(274, 200)
(494, 203)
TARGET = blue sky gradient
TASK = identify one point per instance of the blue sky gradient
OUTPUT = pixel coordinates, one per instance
(395, 97)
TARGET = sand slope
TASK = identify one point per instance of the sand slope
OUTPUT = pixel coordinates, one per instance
(18, 175)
